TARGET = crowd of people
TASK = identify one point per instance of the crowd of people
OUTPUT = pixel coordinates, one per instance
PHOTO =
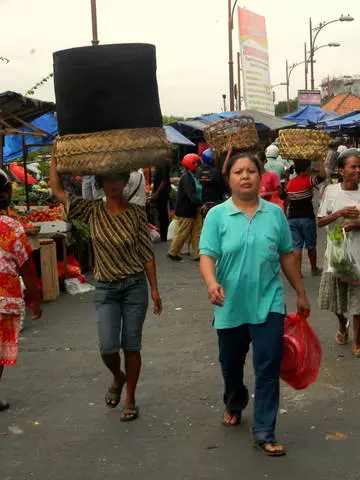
(244, 229)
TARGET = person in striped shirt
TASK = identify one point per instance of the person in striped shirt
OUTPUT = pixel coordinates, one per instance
(124, 257)
(301, 211)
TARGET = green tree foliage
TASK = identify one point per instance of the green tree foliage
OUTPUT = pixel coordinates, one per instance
(282, 107)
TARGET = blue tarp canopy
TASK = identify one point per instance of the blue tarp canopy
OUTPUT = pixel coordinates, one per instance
(349, 120)
(13, 148)
(176, 137)
(13, 143)
(310, 115)
(263, 121)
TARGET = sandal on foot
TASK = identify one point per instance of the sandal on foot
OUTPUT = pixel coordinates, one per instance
(4, 405)
(113, 396)
(232, 416)
(356, 352)
(129, 413)
(342, 338)
(271, 449)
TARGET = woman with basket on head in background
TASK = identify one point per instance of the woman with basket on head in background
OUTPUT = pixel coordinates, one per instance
(15, 253)
(304, 146)
(301, 213)
(188, 203)
(340, 208)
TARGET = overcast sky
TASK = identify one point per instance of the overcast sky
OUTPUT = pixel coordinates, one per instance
(191, 41)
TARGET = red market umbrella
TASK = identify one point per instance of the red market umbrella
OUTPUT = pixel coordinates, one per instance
(19, 174)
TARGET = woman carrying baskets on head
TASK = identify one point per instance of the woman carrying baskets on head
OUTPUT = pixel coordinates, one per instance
(124, 257)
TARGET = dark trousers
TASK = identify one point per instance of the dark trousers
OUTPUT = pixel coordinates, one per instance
(163, 217)
(267, 341)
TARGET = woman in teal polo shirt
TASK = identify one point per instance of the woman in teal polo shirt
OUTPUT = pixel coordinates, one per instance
(244, 242)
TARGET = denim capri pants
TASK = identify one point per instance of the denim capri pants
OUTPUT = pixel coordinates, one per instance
(121, 308)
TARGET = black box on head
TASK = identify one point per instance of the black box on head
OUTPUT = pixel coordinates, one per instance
(106, 87)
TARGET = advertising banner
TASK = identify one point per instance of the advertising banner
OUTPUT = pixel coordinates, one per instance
(255, 62)
(309, 97)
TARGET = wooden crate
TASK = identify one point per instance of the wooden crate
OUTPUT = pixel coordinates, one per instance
(49, 271)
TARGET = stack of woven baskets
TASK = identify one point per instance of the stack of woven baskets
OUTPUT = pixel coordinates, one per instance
(304, 144)
(108, 110)
(237, 132)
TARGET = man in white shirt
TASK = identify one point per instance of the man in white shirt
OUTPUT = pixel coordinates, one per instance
(134, 191)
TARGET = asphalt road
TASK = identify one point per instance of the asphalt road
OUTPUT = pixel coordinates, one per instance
(58, 427)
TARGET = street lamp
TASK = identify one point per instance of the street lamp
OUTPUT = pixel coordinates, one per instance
(231, 11)
(317, 30)
(224, 101)
(95, 40)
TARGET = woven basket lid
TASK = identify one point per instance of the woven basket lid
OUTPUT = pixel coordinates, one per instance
(106, 87)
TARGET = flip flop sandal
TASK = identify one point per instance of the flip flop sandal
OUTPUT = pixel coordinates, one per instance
(343, 338)
(113, 396)
(4, 405)
(356, 352)
(129, 413)
(237, 417)
(264, 448)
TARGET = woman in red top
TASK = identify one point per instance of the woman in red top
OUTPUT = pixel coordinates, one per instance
(15, 251)
(270, 188)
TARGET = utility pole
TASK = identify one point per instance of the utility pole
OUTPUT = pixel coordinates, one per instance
(306, 68)
(239, 80)
(312, 57)
(287, 86)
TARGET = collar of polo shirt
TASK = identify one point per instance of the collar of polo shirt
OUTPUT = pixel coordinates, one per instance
(233, 209)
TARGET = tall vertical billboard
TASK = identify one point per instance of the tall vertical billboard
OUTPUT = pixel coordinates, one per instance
(255, 62)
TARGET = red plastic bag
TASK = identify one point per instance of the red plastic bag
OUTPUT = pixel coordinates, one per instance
(301, 353)
(73, 269)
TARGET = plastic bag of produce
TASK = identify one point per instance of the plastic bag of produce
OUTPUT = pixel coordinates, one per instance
(301, 353)
(342, 259)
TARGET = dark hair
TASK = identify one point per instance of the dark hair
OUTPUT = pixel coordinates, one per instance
(261, 156)
(237, 157)
(344, 157)
(301, 165)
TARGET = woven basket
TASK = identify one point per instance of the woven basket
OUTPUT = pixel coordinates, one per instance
(111, 151)
(237, 131)
(304, 144)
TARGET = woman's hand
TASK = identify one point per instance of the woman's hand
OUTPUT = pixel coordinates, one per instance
(216, 294)
(303, 305)
(349, 212)
(349, 226)
(157, 302)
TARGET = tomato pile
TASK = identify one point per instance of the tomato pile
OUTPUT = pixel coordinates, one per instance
(35, 216)
(49, 215)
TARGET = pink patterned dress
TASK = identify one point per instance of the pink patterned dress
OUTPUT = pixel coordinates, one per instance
(15, 250)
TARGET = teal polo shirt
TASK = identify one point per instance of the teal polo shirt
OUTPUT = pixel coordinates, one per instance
(247, 252)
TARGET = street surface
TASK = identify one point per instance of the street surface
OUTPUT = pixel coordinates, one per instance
(59, 428)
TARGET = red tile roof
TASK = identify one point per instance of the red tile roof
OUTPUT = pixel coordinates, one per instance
(343, 103)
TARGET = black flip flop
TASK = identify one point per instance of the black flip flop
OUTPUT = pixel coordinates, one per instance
(262, 446)
(131, 415)
(113, 396)
(4, 405)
